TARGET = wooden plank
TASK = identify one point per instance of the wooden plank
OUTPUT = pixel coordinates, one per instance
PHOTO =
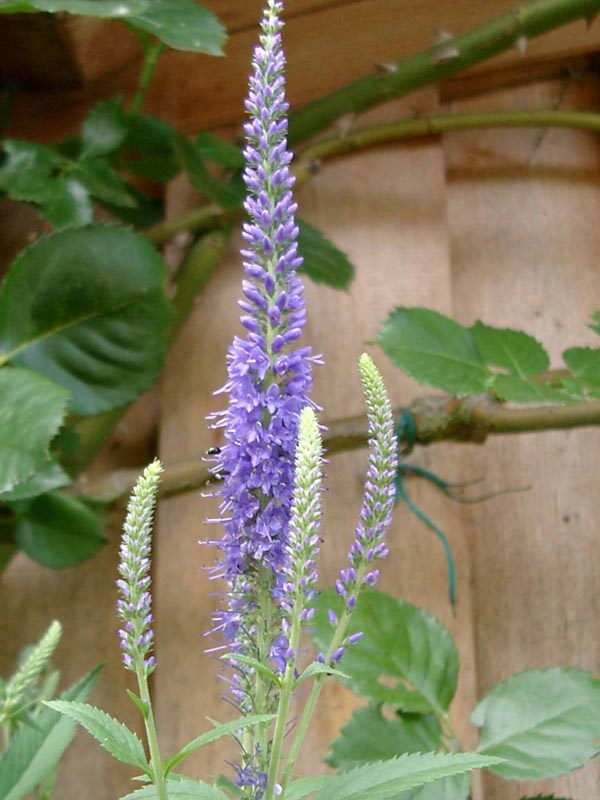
(387, 210)
(523, 219)
(326, 49)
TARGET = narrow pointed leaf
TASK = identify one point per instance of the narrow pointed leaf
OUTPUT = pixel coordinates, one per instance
(33, 753)
(384, 780)
(179, 789)
(113, 735)
(305, 786)
(369, 737)
(543, 723)
(226, 729)
(405, 658)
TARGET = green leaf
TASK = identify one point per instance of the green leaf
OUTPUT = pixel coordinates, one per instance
(323, 261)
(59, 531)
(522, 390)
(255, 664)
(544, 723)
(316, 668)
(405, 658)
(32, 409)
(370, 737)
(50, 476)
(305, 786)
(114, 737)
(594, 323)
(86, 308)
(226, 729)
(107, 9)
(68, 203)
(584, 362)
(33, 752)
(220, 151)
(384, 780)
(190, 159)
(434, 350)
(149, 148)
(511, 350)
(545, 797)
(27, 168)
(183, 25)
(103, 182)
(104, 129)
(182, 789)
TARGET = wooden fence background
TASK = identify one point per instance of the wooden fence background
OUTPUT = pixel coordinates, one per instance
(499, 225)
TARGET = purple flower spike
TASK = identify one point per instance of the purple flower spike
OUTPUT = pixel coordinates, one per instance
(378, 502)
(134, 605)
(269, 374)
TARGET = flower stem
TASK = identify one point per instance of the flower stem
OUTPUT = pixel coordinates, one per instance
(439, 62)
(156, 763)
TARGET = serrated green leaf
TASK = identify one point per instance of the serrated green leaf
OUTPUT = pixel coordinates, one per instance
(59, 531)
(370, 737)
(220, 151)
(226, 729)
(33, 753)
(68, 203)
(594, 323)
(32, 409)
(183, 25)
(522, 390)
(434, 350)
(584, 362)
(323, 261)
(512, 350)
(50, 476)
(191, 161)
(405, 658)
(386, 779)
(27, 170)
(316, 668)
(86, 307)
(544, 723)
(545, 797)
(305, 786)
(182, 789)
(149, 148)
(106, 9)
(103, 182)
(114, 736)
(104, 129)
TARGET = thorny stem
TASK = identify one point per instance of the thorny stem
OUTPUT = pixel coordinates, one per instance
(439, 62)
(211, 216)
(437, 418)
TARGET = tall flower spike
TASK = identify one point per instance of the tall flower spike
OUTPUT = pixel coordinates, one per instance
(269, 376)
(303, 540)
(378, 503)
(134, 605)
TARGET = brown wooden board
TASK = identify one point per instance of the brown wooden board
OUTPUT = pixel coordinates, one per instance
(523, 210)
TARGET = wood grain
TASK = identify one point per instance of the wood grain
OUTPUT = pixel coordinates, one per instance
(326, 49)
(523, 212)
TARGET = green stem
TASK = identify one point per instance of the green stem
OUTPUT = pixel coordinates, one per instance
(158, 774)
(152, 50)
(195, 271)
(212, 216)
(439, 62)
(442, 123)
